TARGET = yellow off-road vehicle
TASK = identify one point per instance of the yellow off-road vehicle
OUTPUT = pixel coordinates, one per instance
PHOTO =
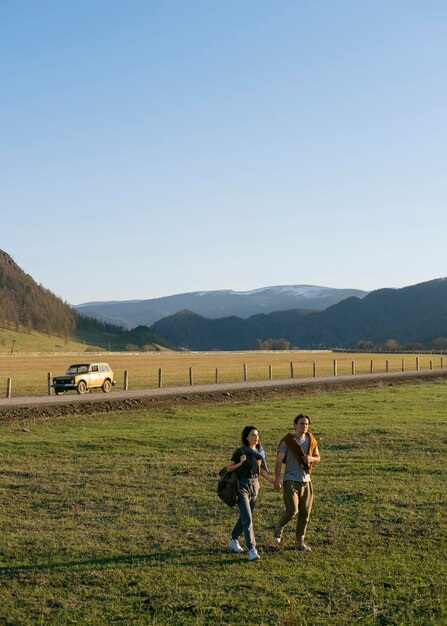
(83, 377)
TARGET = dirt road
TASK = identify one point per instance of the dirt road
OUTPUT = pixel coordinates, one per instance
(98, 402)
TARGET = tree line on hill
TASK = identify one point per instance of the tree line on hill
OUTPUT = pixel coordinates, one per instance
(439, 344)
(411, 318)
(27, 306)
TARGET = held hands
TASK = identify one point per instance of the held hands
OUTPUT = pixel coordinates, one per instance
(278, 485)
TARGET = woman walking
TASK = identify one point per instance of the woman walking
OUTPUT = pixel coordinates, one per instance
(249, 463)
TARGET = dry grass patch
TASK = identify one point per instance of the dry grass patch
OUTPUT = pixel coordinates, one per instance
(29, 372)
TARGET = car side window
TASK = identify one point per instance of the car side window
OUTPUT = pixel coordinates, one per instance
(94, 368)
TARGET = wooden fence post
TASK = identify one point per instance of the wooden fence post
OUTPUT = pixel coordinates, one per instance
(245, 372)
(371, 367)
(160, 377)
(403, 365)
(314, 369)
(335, 367)
(270, 372)
(190, 376)
(431, 364)
(8, 388)
(217, 375)
(291, 370)
(353, 368)
(417, 364)
(49, 383)
(386, 366)
(126, 380)
(442, 363)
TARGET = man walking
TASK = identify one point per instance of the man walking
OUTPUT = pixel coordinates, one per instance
(298, 452)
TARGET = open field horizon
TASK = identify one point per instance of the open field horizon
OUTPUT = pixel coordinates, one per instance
(113, 518)
(29, 373)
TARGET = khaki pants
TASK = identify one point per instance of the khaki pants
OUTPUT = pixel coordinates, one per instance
(298, 498)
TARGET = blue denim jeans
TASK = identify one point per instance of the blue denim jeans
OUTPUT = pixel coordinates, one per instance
(248, 494)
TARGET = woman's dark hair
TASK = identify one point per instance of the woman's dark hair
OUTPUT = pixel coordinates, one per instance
(247, 430)
(298, 417)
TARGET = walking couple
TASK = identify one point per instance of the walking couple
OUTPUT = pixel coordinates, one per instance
(298, 452)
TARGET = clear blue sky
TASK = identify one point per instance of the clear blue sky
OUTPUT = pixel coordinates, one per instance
(156, 147)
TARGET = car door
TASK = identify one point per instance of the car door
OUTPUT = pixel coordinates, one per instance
(94, 376)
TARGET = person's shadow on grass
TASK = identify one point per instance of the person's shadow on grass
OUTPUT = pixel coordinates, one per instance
(155, 559)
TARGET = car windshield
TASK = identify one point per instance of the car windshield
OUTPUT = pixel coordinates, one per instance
(78, 369)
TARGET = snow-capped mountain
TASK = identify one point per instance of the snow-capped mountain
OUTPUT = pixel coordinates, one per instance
(216, 304)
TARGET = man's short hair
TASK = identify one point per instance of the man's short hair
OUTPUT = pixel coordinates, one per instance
(298, 417)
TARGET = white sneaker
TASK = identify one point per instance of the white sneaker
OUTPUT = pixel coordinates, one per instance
(235, 546)
(253, 554)
(277, 536)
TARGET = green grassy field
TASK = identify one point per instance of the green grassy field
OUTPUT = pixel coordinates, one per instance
(29, 372)
(113, 519)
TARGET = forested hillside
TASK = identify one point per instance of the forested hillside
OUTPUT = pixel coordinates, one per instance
(28, 306)
(25, 303)
(190, 330)
(415, 315)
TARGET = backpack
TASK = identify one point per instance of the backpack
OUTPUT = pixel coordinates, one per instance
(228, 487)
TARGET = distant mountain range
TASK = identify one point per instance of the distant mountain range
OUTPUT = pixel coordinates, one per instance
(284, 316)
(415, 314)
(218, 304)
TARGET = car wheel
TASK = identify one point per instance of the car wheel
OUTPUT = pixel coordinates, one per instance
(82, 387)
(107, 386)
(58, 392)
